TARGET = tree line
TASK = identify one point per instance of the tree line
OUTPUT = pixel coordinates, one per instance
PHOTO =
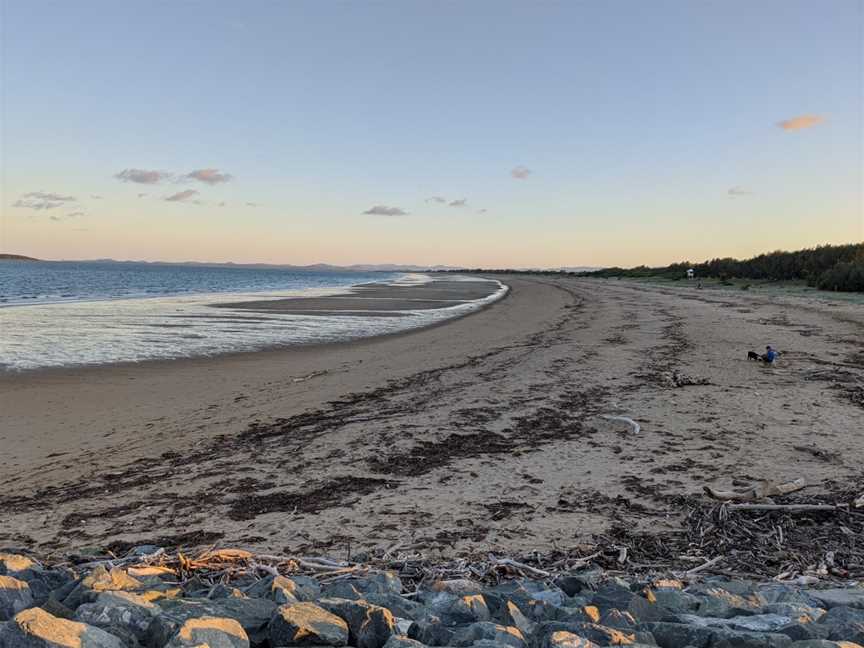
(827, 267)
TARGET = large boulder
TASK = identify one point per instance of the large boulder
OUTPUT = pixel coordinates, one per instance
(100, 580)
(849, 597)
(455, 610)
(473, 633)
(35, 628)
(14, 596)
(369, 626)
(211, 631)
(123, 614)
(305, 624)
(252, 614)
(357, 587)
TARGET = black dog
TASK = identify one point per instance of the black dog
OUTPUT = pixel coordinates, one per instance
(752, 355)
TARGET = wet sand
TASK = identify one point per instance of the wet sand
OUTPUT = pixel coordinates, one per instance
(483, 434)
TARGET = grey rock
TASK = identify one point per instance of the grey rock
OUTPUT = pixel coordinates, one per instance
(398, 605)
(210, 631)
(487, 631)
(454, 610)
(564, 639)
(615, 596)
(676, 601)
(750, 623)
(842, 614)
(100, 580)
(369, 626)
(851, 597)
(805, 631)
(457, 586)
(15, 596)
(122, 614)
(222, 591)
(822, 643)
(617, 619)
(252, 614)
(720, 602)
(356, 588)
(675, 635)
(307, 624)
(798, 612)
(578, 582)
(14, 564)
(597, 633)
(36, 628)
(401, 641)
(431, 631)
(511, 615)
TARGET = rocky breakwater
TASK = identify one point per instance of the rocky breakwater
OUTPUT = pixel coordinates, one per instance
(233, 599)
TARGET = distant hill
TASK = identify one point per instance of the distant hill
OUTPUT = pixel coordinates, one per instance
(16, 257)
(318, 267)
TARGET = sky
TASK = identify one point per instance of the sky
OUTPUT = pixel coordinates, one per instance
(493, 134)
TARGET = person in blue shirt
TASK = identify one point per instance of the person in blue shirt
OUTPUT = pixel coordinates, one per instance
(769, 356)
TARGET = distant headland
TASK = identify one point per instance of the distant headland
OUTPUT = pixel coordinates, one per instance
(16, 257)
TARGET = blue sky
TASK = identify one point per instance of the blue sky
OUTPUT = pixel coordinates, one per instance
(634, 120)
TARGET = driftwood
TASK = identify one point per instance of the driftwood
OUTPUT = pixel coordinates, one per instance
(756, 491)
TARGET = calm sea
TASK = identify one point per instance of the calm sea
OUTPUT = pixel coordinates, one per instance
(55, 314)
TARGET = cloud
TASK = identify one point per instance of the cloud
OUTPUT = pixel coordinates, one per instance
(251, 204)
(42, 200)
(459, 203)
(95, 197)
(384, 210)
(209, 176)
(182, 196)
(437, 199)
(739, 191)
(141, 195)
(58, 219)
(222, 204)
(482, 211)
(802, 121)
(520, 172)
(142, 176)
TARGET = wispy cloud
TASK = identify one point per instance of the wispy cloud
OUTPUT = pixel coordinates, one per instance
(209, 176)
(739, 191)
(802, 121)
(520, 172)
(384, 210)
(182, 196)
(39, 200)
(441, 200)
(143, 176)
(459, 203)
(58, 219)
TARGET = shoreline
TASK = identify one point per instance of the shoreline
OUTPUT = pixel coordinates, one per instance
(161, 363)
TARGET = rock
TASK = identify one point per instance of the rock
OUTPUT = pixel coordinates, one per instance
(307, 624)
(13, 564)
(851, 597)
(616, 619)
(369, 626)
(615, 596)
(222, 591)
(355, 588)
(824, 643)
(14, 596)
(283, 589)
(252, 614)
(400, 641)
(35, 628)
(720, 602)
(455, 610)
(805, 631)
(599, 634)
(751, 623)
(431, 631)
(511, 615)
(122, 614)
(467, 635)
(458, 586)
(798, 612)
(579, 582)
(398, 605)
(675, 601)
(676, 635)
(100, 580)
(564, 639)
(211, 631)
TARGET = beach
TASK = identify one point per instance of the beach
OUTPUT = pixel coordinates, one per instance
(489, 432)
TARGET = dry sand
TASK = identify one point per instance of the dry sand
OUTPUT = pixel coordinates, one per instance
(481, 434)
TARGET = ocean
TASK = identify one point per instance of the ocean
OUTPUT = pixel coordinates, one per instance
(63, 314)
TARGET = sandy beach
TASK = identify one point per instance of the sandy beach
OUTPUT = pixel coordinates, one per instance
(484, 433)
